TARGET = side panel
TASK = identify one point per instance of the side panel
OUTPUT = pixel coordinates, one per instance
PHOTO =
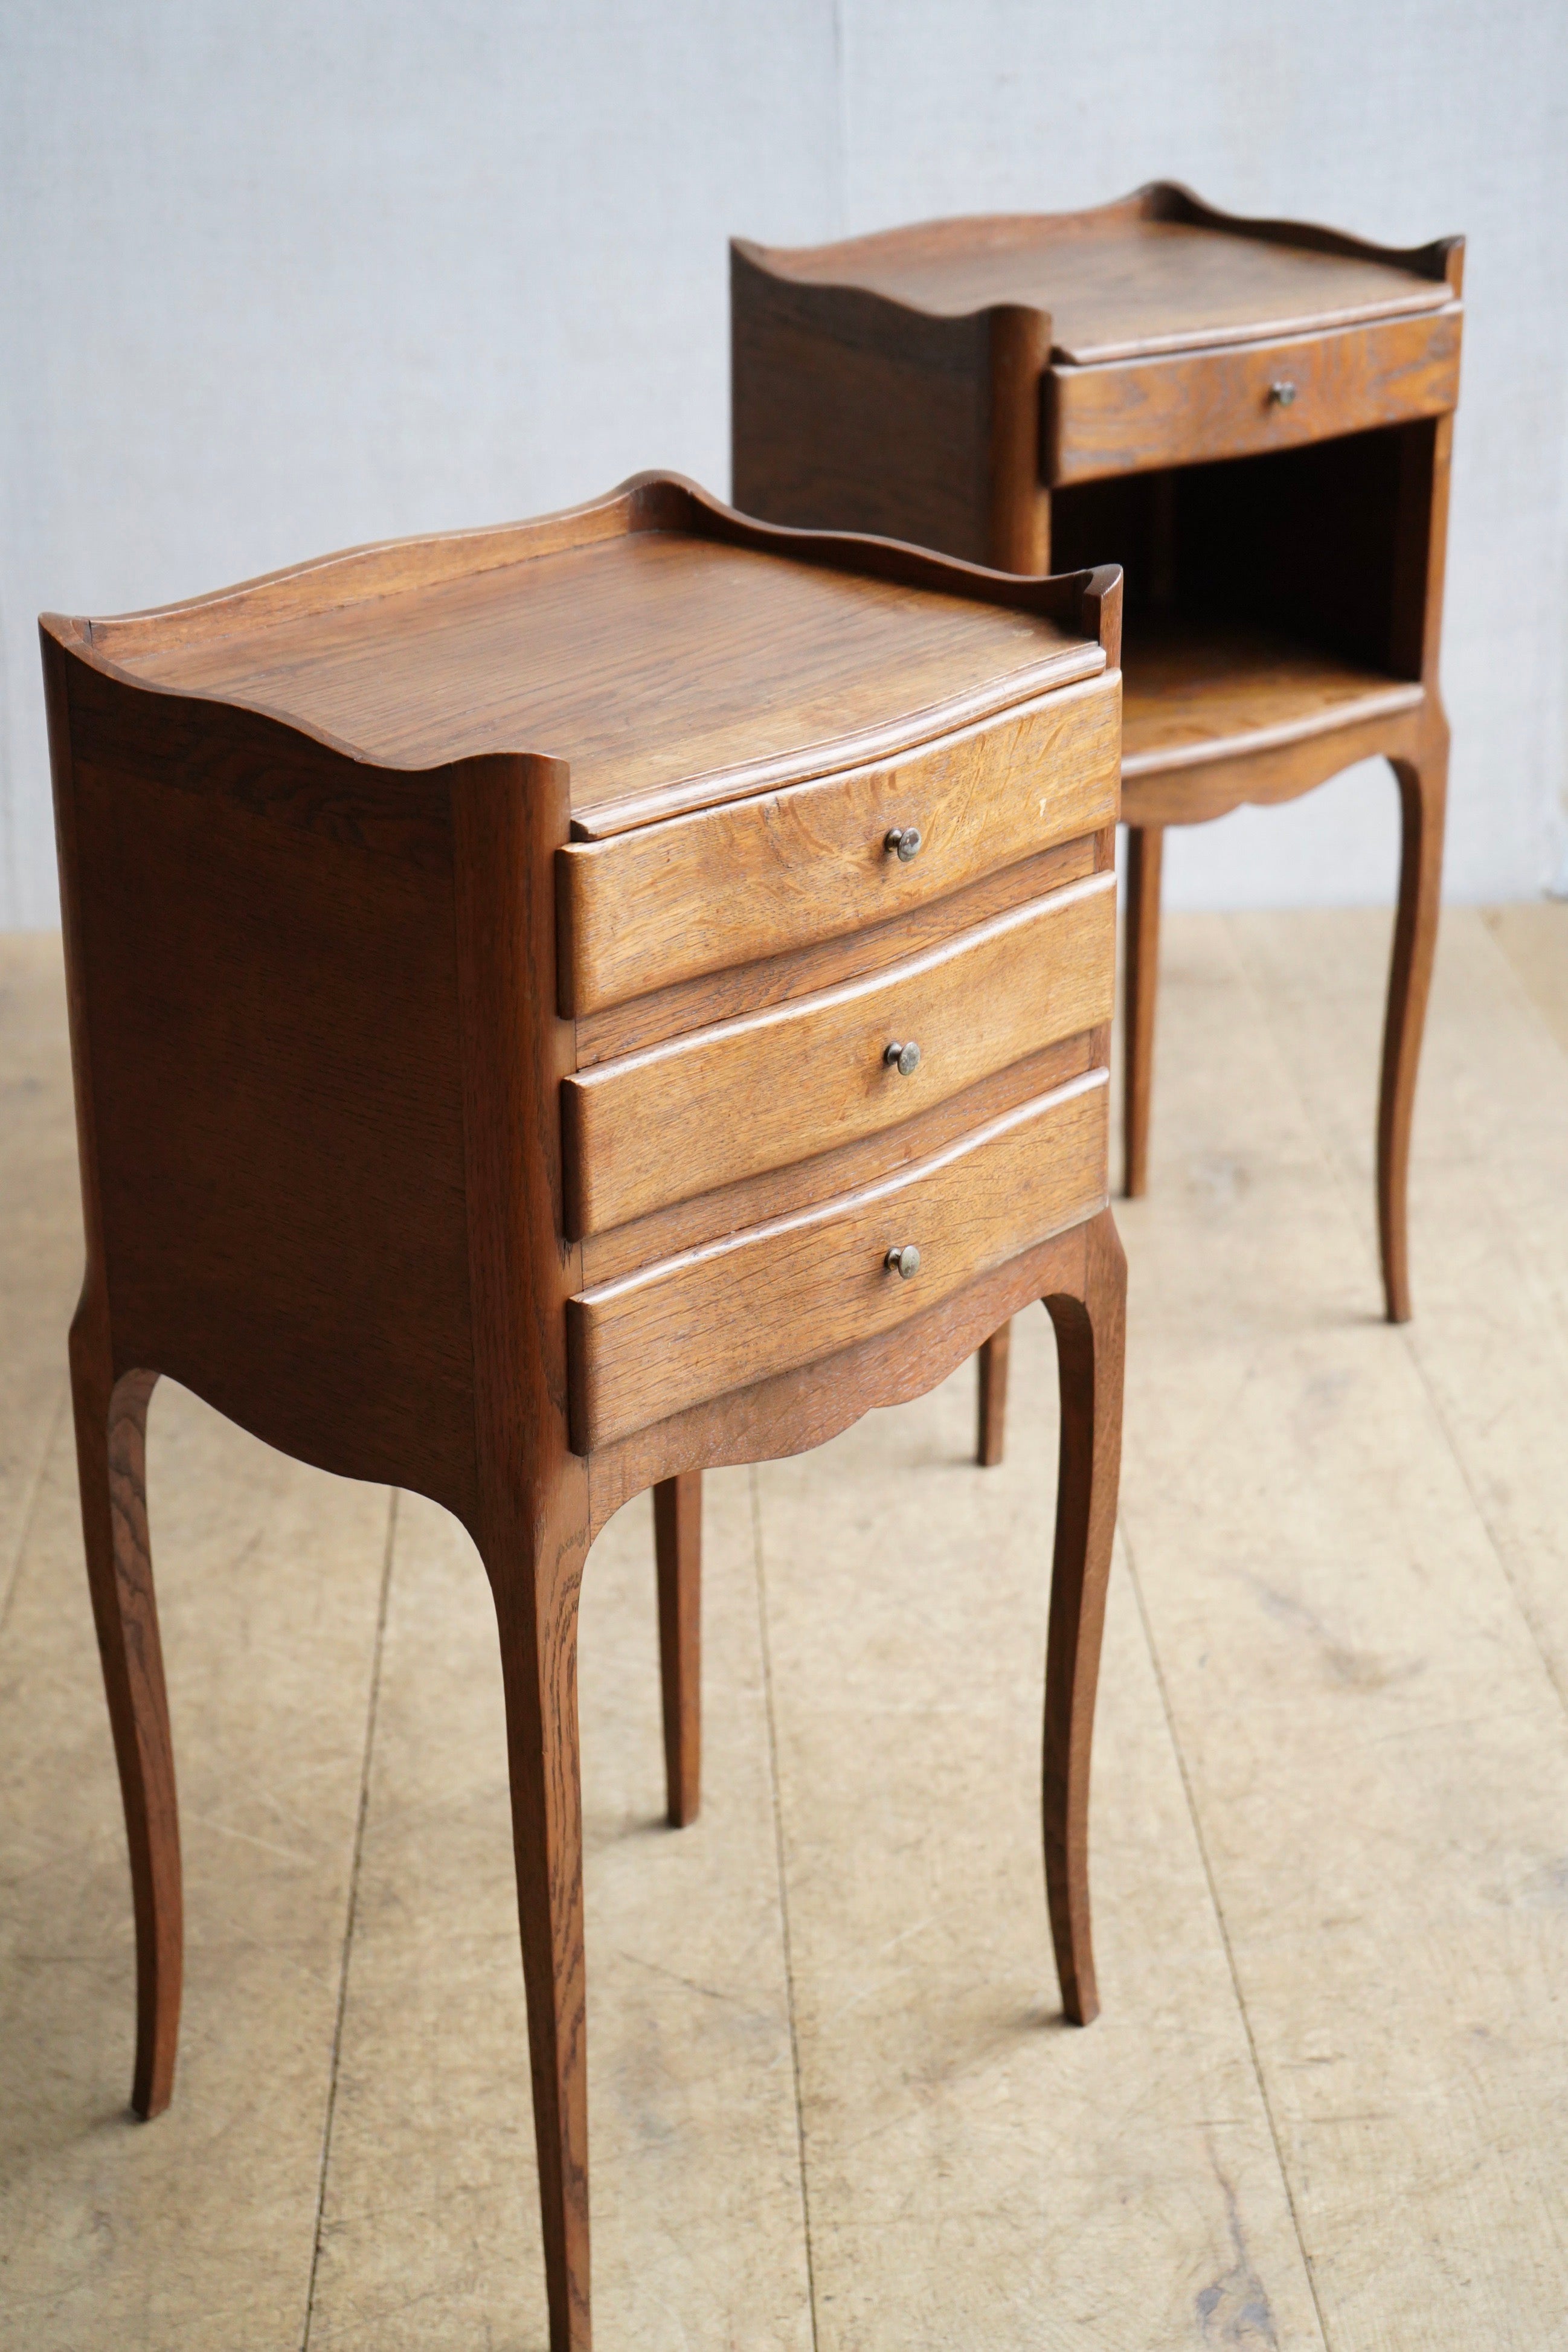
(728, 1103)
(850, 413)
(265, 940)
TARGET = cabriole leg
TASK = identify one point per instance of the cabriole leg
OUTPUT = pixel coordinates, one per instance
(111, 1454)
(678, 1548)
(536, 1609)
(1091, 1330)
(1423, 795)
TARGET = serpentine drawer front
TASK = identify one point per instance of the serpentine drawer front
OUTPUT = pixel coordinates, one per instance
(666, 902)
(723, 1103)
(1182, 408)
(803, 1286)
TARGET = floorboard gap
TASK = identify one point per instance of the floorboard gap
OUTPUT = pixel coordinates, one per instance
(761, 1566)
(349, 1912)
(1224, 1934)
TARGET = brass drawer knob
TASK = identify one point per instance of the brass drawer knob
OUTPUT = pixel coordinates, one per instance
(905, 1059)
(1282, 394)
(903, 843)
(905, 1260)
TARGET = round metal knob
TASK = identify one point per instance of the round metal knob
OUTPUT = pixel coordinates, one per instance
(1282, 394)
(903, 843)
(905, 1059)
(905, 1260)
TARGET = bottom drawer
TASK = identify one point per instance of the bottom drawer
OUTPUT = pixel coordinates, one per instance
(780, 1295)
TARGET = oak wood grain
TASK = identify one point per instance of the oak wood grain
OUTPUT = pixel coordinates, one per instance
(745, 987)
(1191, 791)
(1017, 536)
(717, 888)
(848, 1168)
(722, 1104)
(1157, 272)
(888, 430)
(1197, 688)
(110, 1412)
(232, 1194)
(1125, 416)
(112, 1462)
(632, 654)
(790, 1413)
(1080, 1274)
(1441, 260)
(765, 1300)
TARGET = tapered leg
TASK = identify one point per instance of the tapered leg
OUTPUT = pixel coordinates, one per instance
(1090, 1349)
(537, 1613)
(993, 1363)
(1145, 850)
(1423, 795)
(112, 1451)
(678, 1547)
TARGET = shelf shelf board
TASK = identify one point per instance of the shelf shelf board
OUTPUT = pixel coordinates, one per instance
(1196, 690)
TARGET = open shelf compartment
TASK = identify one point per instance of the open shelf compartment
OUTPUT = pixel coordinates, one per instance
(1262, 593)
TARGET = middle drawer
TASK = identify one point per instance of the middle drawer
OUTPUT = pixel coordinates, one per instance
(729, 1102)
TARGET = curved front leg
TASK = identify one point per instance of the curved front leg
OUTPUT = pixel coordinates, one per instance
(1422, 798)
(112, 1459)
(536, 1591)
(1091, 1330)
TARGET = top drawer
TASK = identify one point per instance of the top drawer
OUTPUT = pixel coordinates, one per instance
(755, 878)
(1128, 416)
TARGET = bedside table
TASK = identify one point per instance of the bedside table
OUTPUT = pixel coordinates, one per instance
(559, 1007)
(1253, 418)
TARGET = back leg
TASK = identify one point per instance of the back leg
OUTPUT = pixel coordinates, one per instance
(1423, 795)
(111, 1453)
(678, 1549)
(992, 1362)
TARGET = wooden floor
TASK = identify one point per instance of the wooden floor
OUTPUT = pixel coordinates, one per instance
(832, 2102)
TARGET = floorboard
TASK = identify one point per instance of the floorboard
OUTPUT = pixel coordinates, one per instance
(833, 2104)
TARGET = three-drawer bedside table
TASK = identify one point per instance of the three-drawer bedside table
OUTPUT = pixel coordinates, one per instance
(560, 1007)
(1252, 418)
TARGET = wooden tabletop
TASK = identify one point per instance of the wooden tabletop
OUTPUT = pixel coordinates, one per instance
(669, 669)
(1117, 285)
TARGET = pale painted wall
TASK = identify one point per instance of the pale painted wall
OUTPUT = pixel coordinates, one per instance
(276, 277)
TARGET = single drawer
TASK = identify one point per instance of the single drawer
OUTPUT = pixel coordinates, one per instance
(750, 879)
(728, 1102)
(790, 1292)
(1177, 410)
